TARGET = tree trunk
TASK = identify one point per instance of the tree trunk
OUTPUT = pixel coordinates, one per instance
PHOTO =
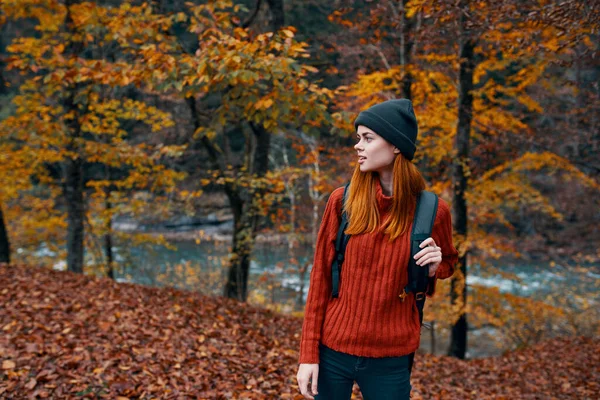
(277, 14)
(406, 51)
(4, 242)
(108, 253)
(75, 214)
(433, 337)
(458, 341)
(73, 167)
(236, 286)
(246, 225)
(239, 263)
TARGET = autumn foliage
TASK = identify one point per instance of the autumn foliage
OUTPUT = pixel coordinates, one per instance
(140, 111)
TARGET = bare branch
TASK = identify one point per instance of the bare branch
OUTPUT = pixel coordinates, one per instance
(383, 58)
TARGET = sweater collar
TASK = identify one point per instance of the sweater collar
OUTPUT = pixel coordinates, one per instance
(383, 201)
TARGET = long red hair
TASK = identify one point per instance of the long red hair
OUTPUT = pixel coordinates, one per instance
(361, 205)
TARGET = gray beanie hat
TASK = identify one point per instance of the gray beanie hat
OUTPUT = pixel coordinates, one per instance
(395, 121)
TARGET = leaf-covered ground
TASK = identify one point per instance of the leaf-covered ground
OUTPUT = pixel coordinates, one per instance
(65, 335)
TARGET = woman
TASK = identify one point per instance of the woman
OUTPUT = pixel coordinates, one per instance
(367, 333)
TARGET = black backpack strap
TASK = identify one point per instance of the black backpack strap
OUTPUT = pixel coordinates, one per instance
(418, 276)
(340, 248)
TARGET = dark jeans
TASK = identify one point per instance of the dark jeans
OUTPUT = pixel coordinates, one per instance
(378, 378)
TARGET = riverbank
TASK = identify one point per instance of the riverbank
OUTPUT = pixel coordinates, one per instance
(221, 233)
(272, 238)
(67, 335)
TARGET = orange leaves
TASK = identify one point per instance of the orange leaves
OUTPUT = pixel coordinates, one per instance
(49, 14)
(263, 104)
(172, 341)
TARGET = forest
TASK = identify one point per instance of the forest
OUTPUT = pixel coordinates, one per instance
(185, 150)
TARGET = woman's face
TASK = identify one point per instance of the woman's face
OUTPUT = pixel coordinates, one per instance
(378, 153)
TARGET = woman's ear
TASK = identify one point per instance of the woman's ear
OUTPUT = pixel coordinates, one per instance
(396, 150)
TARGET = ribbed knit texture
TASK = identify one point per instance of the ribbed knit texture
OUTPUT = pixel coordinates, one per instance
(367, 319)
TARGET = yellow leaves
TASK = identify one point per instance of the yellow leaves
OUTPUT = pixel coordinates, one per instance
(240, 33)
(263, 104)
(106, 116)
(288, 33)
(412, 7)
(530, 103)
(171, 150)
(309, 68)
(204, 131)
(264, 38)
(180, 17)
(87, 14)
(490, 120)
(514, 87)
(491, 198)
(538, 161)
(190, 195)
(553, 44)
(50, 15)
(29, 47)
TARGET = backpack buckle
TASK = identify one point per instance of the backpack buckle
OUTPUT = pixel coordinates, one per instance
(403, 295)
(419, 295)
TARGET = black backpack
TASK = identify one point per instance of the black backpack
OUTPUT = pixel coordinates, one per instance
(418, 276)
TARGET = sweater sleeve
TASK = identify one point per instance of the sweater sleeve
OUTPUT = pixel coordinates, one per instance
(319, 291)
(442, 235)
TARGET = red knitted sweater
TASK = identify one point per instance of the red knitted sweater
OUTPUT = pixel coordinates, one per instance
(367, 319)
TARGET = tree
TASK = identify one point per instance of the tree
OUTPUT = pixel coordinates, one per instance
(65, 114)
(458, 340)
(236, 83)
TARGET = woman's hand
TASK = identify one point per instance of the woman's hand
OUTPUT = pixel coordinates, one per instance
(305, 373)
(431, 255)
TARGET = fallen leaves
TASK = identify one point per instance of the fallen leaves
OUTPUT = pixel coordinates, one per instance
(8, 364)
(97, 338)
